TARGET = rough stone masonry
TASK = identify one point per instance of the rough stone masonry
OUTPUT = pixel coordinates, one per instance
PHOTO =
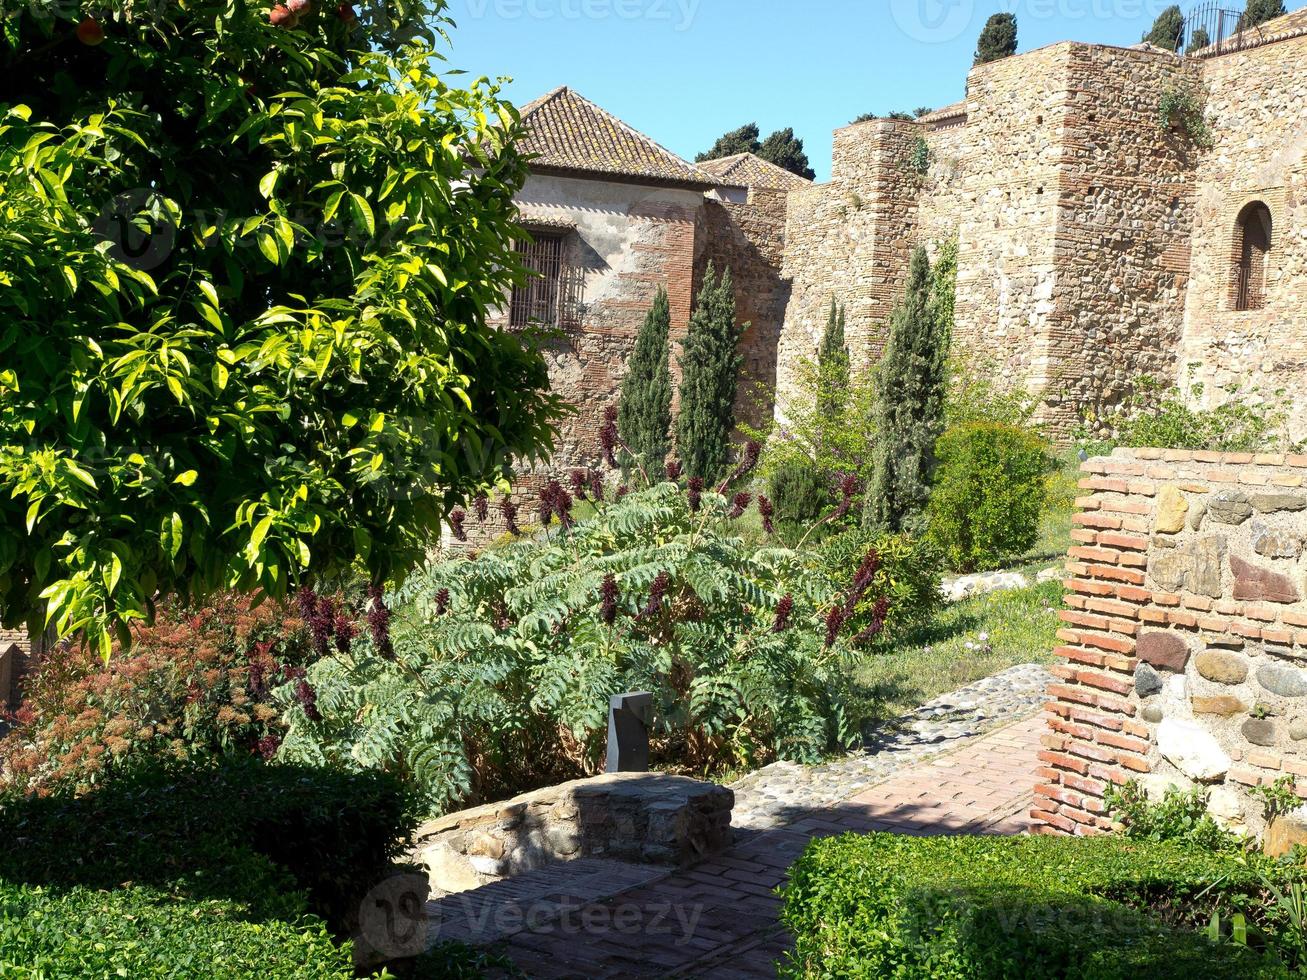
(1184, 646)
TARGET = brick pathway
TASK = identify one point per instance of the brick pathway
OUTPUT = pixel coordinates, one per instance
(718, 920)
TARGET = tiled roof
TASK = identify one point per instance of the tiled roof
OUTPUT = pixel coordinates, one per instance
(565, 131)
(750, 170)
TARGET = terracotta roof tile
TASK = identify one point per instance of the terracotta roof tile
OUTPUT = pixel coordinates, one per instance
(565, 131)
(749, 170)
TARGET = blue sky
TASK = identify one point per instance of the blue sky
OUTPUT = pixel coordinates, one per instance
(685, 71)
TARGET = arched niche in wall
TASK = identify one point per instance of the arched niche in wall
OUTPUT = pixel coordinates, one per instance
(1253, 238)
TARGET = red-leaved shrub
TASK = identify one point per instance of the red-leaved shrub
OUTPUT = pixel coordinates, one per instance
(195, 683)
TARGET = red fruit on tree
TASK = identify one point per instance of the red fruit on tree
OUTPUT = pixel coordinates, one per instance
(299, 7)
(90, 32)
(281, 16)
(346, 13)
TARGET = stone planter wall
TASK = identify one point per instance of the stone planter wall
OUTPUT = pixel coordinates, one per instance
(646, 818)
(1184, 656)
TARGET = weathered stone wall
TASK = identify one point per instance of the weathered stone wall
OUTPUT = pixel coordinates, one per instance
(1185, 640)
(1257, 110)
(749, 239)
(1011, 163)
(849, 240)
(1125, 204)
(1094, 246)
(630, 239)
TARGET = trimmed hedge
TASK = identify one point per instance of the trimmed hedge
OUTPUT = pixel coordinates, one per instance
(237, 869)
(947, 908)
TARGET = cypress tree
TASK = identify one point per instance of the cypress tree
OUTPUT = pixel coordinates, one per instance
(710, 369)
(998, 40)
(833, 364)
(1260, 11)
(644, 413)
(909, 415)
(1168, 30)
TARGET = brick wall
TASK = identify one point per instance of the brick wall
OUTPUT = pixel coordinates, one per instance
(1185, 637)
(15, 657)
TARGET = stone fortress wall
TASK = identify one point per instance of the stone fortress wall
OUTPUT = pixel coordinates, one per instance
(1095, 246)
(1184, 656)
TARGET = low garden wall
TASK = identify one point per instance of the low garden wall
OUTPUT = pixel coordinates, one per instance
(1184, 656)
(646, 818)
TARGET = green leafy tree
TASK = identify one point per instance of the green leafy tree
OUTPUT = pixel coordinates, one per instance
(1168, 29)
(911, 397)
(247, 259)
(1198, 40)
(1260, 11)
(785, 150)
(644, 415)
(710, 367)
(737, 141)
(998, 40)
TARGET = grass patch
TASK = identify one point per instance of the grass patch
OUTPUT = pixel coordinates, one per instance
(1021, 626)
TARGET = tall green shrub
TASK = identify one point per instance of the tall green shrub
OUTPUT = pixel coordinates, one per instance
(710, 367)
(989, 492)
(833, 363)
(644, 414)
(1168, 30)
(911, 398)
(998, 40)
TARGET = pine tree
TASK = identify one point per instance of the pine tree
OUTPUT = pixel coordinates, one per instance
(644, 415)
(785, 150)
(1199, 40)
(998, 40)
(909, 416)
(1168, 30)
(833, 364)
(742, 140)
(710, 369)
(1260, 11)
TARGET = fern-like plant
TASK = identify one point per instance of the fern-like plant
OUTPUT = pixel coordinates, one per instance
(503, 665)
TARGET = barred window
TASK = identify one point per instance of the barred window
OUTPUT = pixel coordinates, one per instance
(1252, 250)
(551, 296)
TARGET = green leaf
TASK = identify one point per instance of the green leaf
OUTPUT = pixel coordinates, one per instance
(188, 478)
(362, 212)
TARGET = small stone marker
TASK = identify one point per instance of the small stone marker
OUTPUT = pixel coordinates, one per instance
(629, 717)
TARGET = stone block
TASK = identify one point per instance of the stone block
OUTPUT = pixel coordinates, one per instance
(1164, 651)
(1193, 750)
(1229, 507)
(1253, 583)
(1286, 682)
(1147, 681)
(1172, 511)
(1269, 503)
(1274, 543)
(1286, 832)
(1222, 667)
(1260, 731)
(1221, 705)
